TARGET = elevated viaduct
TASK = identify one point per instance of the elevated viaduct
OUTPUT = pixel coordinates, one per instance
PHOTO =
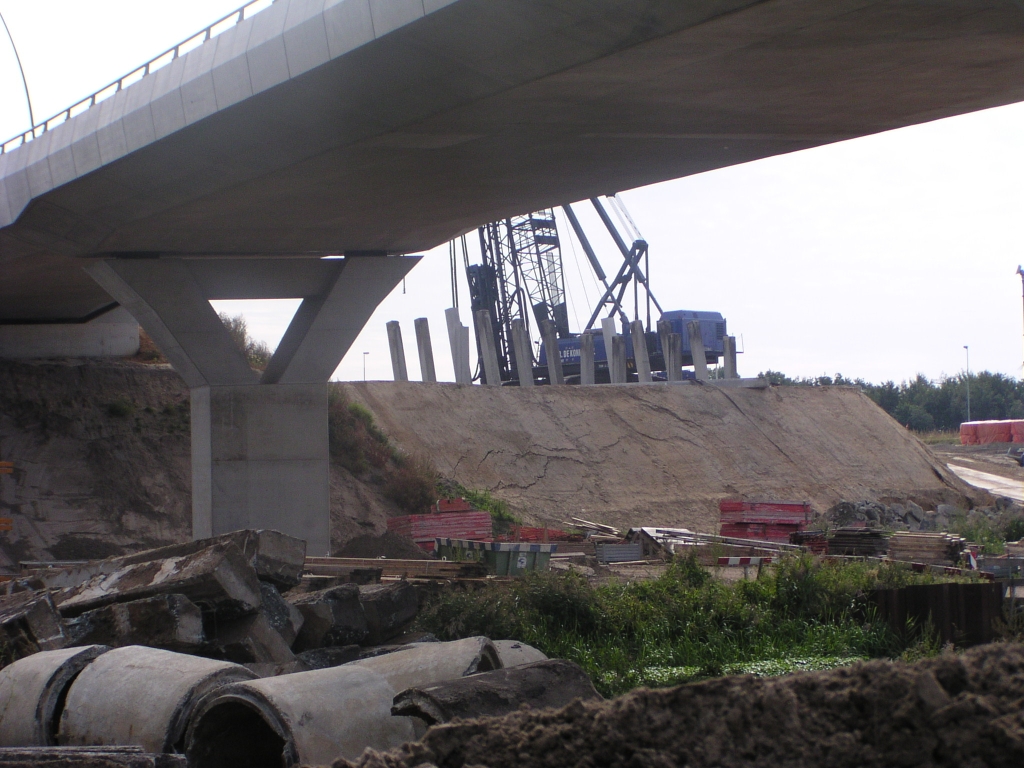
(370, 129)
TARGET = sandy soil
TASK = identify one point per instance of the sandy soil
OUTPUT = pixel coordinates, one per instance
(965, 711)
(659, 454)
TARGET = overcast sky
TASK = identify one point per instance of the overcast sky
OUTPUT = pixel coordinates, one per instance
(879, 257)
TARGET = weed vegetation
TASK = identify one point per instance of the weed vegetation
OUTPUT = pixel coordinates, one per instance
(687, 625)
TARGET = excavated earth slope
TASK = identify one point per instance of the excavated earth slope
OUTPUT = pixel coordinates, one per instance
(964, 711)
(101, 454)
(658, 454)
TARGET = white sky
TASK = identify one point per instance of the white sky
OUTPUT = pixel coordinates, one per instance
(880, 257)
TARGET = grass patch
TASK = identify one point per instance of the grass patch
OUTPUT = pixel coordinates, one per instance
(502, 518)
(686, 625)
(939, 437)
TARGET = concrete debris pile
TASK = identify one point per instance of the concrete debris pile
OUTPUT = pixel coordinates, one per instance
(912, 517)
(224, 651)
(240, 598)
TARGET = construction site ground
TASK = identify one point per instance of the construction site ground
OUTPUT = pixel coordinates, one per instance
(101, 454)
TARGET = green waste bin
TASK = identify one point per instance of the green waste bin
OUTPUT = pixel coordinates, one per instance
(501, 558)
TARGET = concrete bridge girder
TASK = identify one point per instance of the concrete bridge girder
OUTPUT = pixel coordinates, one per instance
(260, 454)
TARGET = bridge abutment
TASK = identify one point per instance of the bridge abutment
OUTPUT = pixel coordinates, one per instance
(260, 453)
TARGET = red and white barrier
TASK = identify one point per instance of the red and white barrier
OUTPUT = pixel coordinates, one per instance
(744, 560)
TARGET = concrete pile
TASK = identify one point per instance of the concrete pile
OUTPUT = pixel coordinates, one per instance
(222, 598)
(219, 650)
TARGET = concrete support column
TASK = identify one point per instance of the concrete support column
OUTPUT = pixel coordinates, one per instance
(700, 363)
(607, 332)
(522, 354)
(729, 343)
(488, 353)
(547, 329)
(586, 359)
(268, 461)
(260, 454)
(458, 340)
(617, 359)
(397, 351)
(640, 356)
(426, 351)
(113, 333)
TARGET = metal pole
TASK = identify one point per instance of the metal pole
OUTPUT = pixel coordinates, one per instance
(364, 365)
(24, 82)
(1020, 271)
(968, 351)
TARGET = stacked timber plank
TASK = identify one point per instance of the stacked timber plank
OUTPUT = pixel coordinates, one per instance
(763, 520)
(859, 542)
(927, 548)
(341, 567)
(815, 542)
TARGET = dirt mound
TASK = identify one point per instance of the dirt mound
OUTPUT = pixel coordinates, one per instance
(659, 454)
(951, 711)
(386, 545)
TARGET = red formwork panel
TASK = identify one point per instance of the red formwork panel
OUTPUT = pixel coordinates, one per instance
(423, 529)
(1017, 430)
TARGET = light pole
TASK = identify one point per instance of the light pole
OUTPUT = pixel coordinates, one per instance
(1020, 271)
(968, 353)
(24, 82)
(364, 367)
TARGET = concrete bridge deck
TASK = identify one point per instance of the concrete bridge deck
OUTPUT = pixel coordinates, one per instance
(331, 126)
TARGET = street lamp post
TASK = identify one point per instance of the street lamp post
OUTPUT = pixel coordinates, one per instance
(364, 366)
(1020, 271)
(968, 353)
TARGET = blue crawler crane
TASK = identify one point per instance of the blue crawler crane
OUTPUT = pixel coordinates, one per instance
(520, 277)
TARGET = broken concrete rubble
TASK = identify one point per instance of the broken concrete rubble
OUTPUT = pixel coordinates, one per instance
(172, 622)
(282, 615)
(249, 639)
(32, 693)
(333, 616)
(87, 757)
(217, 578)
(29, 623)
(544, 684)
(389, 609)
(322, 658)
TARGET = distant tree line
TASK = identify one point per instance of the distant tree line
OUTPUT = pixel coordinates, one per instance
(925, 405)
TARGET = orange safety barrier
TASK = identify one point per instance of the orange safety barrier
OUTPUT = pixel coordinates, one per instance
(969, 433)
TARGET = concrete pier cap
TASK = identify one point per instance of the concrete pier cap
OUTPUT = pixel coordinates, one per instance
(260, 454)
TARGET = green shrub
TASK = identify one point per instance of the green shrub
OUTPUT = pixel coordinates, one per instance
(685, 625)
(257, 353)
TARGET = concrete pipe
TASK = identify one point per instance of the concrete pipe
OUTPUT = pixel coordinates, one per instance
(427, 663)
(308, 718)
(141, 696)
(514, 653)
(32, 692)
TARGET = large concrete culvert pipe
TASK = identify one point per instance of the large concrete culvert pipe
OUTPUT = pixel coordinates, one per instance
(307, 718)
(138, 696)
(33, 691)
(427, 663)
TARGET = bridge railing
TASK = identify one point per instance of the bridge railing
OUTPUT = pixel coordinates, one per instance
(157, 62)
